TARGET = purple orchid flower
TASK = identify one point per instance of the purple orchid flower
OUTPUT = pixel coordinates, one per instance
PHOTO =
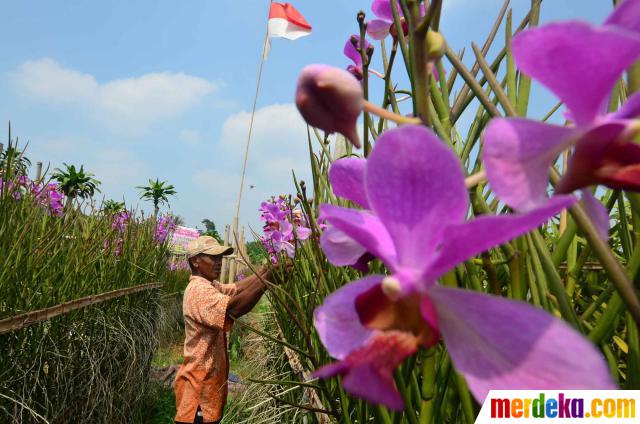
(120, 221)
(346, 176)
(164, 227)
(383, 26)
(414, 187)
(351, 51)
(282, 228)
(568, 59)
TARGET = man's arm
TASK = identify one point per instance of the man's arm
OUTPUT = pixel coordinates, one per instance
(249, 291)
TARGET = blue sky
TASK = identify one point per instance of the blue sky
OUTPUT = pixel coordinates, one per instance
(139, 90)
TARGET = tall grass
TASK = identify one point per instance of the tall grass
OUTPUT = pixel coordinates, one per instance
(90, 365)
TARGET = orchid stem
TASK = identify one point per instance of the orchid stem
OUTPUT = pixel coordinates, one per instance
(616, 273)
(428, 386)
(388, 115)
(475, 179)
(420, 63)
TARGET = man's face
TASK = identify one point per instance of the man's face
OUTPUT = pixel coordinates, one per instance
(209, 266)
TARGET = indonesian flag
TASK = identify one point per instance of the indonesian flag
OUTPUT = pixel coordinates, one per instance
(285, 22)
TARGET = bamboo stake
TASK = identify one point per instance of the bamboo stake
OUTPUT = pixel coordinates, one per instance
(24, 320)
(225, 260)
(38, 170)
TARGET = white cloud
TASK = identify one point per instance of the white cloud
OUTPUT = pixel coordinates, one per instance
(191, 137)
(279, 144)
(279, 139)
(128, 104)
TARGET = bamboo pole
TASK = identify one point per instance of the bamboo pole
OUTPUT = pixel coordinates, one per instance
(21, 321)
(246, 147)
(225, 260)
(38, 170)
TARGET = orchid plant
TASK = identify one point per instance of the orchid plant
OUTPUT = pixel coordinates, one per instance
(282, 227)
(451, 264)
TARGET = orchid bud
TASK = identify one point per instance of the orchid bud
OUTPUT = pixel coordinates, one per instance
(435, 45)
(330, 99)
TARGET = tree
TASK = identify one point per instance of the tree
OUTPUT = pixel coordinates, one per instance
(178, 220)
(211, 230)
(12, 160)
(157, 192)
(112, 207)
(76, 183)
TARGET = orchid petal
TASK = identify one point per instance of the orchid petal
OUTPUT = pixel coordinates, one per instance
(351, 52)
(626, 15)
(378, 28)
(337, 320)
(503, 344)
(624, 178)
(568, 59)
(303, 233)
(517, 155)
(597, 212)
(363, 227)
(339, 248)
(598, 149)
(382, 9)
(347, 180)
(465, 240)
(415, 184)
(369, 371)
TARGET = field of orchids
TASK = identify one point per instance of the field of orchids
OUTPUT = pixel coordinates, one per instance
(443, 260)
(91, 364)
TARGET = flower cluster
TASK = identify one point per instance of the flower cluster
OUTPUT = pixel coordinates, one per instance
(282, 227)
(47, 195)
(120, 221)
(164, 227)
(178, 265)
(50, 196)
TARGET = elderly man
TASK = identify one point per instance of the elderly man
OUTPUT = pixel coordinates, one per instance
(209, 308)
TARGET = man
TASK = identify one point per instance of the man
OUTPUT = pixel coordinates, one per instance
(209, 309)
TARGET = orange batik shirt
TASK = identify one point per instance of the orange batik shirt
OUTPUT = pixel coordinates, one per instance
(202, 379)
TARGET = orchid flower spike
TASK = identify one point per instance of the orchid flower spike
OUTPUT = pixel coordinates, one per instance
(351, 51)
(330, 99)
(568, 58)
(415, 205)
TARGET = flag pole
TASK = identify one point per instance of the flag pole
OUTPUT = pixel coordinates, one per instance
(246, 147)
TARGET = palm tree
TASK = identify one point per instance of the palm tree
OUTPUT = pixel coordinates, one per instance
(157, 192)
(12, 160)
(76, 182)
(112, 207)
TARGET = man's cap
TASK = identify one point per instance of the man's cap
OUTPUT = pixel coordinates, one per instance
(207, 245)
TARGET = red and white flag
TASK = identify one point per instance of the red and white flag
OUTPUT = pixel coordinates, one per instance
(285, 22)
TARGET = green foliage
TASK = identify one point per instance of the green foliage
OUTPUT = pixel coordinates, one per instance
(256, 252)
(211, 230)
(112, 207)
(76, 183)
(92, 363)
(12, 160)
(157, 192)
